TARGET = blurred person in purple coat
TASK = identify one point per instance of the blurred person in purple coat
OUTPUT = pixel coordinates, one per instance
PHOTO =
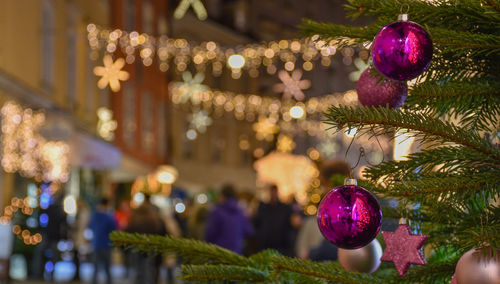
(227, 224)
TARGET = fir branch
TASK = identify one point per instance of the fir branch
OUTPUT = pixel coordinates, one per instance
(328, 271)
(430, 130)
(431, 273)
(192, 251)
(460, 42)
(427, 189)
(466, 15)
(451, 160)
(223, 273)
(476, 102)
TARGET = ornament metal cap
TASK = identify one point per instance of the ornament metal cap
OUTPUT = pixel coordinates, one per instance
(350, 181)
(403, 17)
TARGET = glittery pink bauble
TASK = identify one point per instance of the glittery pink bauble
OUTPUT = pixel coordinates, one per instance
(453, 279)
(402, 50)
(349, 216)
(380, 94)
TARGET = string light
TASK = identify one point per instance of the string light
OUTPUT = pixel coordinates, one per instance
(181, 52)
(106, 126)
(254, 107)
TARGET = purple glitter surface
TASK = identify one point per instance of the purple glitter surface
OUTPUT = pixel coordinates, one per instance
(379, 94)
(349, 217)
(402, 50)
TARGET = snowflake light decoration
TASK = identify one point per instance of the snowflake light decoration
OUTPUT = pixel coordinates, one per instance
(328, 147)
(292, 86)
(265, 129)
(199, 9)
(200, 120)
(361, 66)
(111, 73)
(191, 88)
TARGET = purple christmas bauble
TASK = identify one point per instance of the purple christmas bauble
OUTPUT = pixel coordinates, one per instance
(374, 93)
(349, 217)
(402, 50)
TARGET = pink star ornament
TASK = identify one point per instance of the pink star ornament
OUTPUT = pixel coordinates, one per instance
(403, 248)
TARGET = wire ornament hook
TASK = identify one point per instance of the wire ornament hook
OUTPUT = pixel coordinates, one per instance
(362, 153)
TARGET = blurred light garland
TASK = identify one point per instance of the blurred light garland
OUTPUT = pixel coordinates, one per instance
(25, 151)
(270, 114)
(249, 57)
(15, 205)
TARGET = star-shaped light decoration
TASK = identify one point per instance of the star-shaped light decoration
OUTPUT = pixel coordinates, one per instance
(361, 66)
(285, 143)
(265, 129)
(191, 88)
(111, 73)
(292, 86)
(403, 248)
(198, 8)
(200, 120)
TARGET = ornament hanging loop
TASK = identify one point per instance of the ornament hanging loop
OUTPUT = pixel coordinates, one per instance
(403, 16)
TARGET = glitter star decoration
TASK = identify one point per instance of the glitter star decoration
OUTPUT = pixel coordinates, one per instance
(361, 66)
(292, 86)
(191, 88)
(199, 9)
(111, 73)
(265, 129)
(200, 120)
(403, 248)
(285, 143)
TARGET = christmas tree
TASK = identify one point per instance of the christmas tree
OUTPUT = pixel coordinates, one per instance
(446, 191)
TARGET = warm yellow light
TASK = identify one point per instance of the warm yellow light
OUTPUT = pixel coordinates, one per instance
(403, 142)
(297, 112)
(236, 61)
(70, 205)
(311, 210)
(315, 198)
(313, 154)
(111, 73)
(167, 174)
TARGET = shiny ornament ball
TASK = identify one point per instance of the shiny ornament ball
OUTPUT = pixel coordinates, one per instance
(365, 259)
(479, 266)
(349, 217)
(453, 279)
(402, 50)
(371, 92)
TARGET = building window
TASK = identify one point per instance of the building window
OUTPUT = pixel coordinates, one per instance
(47, 38)
(147, 116)
(162, 128)
(91, 86)
(128, 15)
(129, 115)
(71, 58)
(147, 17)
(218, 143)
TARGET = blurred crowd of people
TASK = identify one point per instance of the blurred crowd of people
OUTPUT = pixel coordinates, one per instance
(235, 220)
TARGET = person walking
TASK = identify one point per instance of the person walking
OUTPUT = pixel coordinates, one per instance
(227, 225)
(147, 220)
(273, 224)
(102, 224)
